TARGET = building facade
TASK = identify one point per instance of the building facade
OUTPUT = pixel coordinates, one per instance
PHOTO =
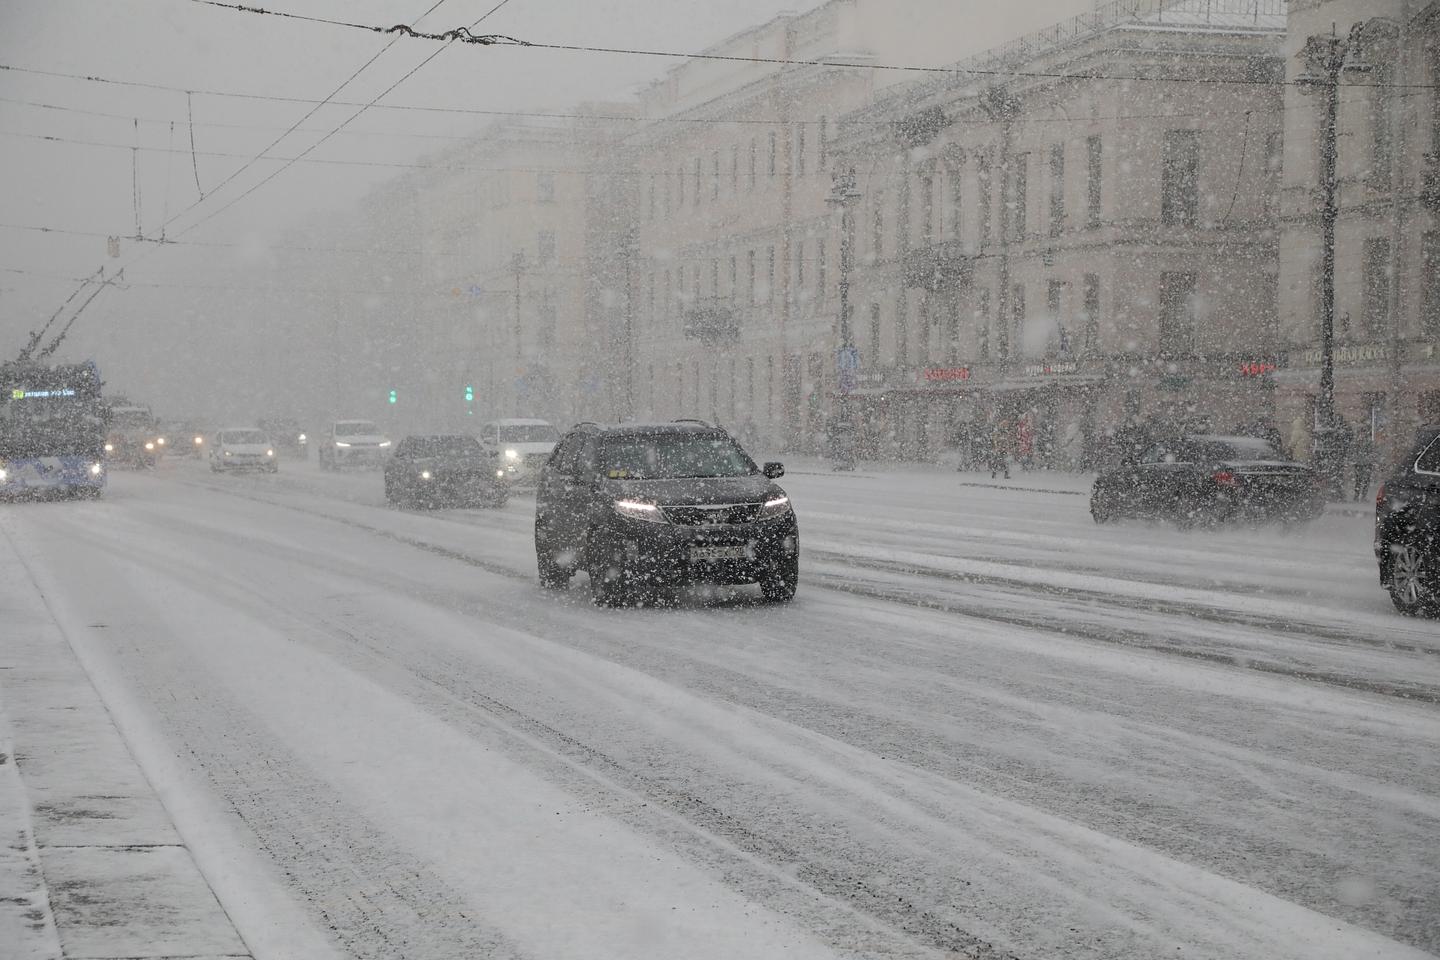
(1386, 264)
(1033, 242)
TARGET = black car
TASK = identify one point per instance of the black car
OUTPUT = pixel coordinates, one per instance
(1208, 478)
(1407, 529)
(433, 471)
(644, 508)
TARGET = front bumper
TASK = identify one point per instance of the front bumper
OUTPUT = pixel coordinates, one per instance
(669, 554)
(368, 456)
(48, 476)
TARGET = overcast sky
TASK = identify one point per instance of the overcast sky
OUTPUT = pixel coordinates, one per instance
(190, 46)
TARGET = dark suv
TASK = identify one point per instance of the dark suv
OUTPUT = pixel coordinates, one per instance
(1407, 529)
(643, 508)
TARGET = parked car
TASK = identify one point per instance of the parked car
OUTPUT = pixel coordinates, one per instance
(434, 471)
(242, 448)
(352, 443)
(1407, 529)
(289, 439)
(644, 508)
(520, 447)
(1208, 478)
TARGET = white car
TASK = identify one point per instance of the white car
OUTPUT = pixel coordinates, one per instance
(520, 447)
(242, 448)
(352, 443)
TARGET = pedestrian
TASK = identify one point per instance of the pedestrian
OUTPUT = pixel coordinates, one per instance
(1025, 441)
(1362, 455)
(1001, 439)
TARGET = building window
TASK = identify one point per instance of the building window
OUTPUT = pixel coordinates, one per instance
(696, 201)
(1177, 313)
(714, 278)
(927, 208)
(1057, 189)
(750, 260)
(874, 334)
(545, 247)
(800, 266)
(1376, 279)
(877, 231)
(1017, 316)
(666, 179)
(547, 321)
(754, 150)
(771, 165)
(715, 175)
(734, 277)
(749, 385)
(800, 149)
(1180, 178)
(1430, 290)
(987, 206)
(1018, 208)
(982, 324)
(545, 187)
(957, 205)
(820, 270)
(824, 141)
(652, 196)
(770, 387)
(735, 169)
(902, 331)
(1094, 156)
(680, 188)
(1054, 293)
(1092, 311)
(952, 333)
(770, 274)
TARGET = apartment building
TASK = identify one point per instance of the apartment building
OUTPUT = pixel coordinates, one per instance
(1079, 227)
(732, 293)
(1386, 273)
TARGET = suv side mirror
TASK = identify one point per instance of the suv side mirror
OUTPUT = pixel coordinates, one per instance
(774, 470)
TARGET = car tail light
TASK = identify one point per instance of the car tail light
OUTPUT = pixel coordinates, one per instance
(1223, 478)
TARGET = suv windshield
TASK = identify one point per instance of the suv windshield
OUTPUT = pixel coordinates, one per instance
(671, 456)
(442, 447)
(356, 428)
(244, 436)
(528, 433)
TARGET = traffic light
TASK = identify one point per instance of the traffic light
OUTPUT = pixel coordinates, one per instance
(469, 393)
(394, 397)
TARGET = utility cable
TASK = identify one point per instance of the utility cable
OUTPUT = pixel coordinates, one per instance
(464, 35)
(37, 335)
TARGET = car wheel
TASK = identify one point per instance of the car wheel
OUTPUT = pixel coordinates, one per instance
(608, 587)
(1414, 581)
(1102, 510)
(780, 586)
(553, 576)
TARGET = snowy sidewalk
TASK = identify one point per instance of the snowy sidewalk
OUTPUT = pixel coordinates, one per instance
(90, 864)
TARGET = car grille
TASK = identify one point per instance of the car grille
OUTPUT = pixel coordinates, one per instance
(534, 461)
(705, 515)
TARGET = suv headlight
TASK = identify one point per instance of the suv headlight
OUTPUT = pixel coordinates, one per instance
(774, 507)
(639, 510)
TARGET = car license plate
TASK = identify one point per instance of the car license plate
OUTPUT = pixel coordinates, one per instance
(710, 552)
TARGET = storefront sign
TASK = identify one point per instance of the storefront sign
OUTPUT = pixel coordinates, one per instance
(945, 374)
(1258, 368)
(1052, 369)
(1349, 354)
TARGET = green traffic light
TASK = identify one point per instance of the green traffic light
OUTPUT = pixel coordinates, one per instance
(393, 397)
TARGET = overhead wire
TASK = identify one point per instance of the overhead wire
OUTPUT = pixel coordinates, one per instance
(955, 70)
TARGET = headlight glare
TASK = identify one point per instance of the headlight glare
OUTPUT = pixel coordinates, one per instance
(341, 443)
(109, 448)
(774, 507)
(149, 446)
(95, 469)
(424, 474)
(269, 453)
(639, 510)
(384, 443)
(512, 454)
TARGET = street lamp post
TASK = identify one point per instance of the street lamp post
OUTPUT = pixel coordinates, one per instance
(1326, 60)
(843, 194)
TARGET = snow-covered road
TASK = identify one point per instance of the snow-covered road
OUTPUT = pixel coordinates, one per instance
(985, 724)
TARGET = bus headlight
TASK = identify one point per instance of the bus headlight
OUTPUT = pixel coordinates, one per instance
(149, 445)
(3, 475)
(95, 469)
(109, 448)
(199, 441)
